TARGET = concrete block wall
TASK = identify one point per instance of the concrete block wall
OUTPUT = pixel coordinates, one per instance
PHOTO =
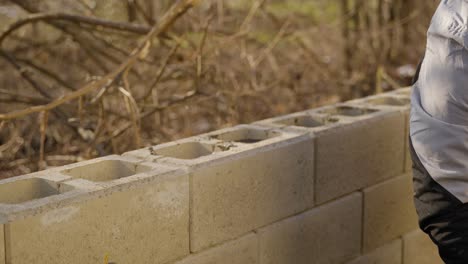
(328, 185)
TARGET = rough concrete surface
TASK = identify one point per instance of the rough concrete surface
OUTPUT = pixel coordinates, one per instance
(2, 244)
(388, 212)
(303, 122)
(419, 249)
(359, 154)
(233, 196)
(148, 224)
(327, 234)
(397, 100)
(240, 251)
(387, 254)
(408, 160)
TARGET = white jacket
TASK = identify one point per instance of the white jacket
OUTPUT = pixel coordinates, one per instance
(439, 114)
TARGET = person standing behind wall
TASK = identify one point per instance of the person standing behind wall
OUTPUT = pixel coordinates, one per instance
(439, 133)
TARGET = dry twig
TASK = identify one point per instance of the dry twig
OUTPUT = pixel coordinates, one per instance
(44, 117)
(166, 21)
(133, 28)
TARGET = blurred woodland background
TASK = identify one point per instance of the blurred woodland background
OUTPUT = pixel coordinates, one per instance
(222, 63)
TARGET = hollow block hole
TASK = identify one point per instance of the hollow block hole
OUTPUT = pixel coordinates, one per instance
(388, 100)
(190, 150)
(306, 121)
(247, 135)
(106, 170)
(348, 111)
(27, 190)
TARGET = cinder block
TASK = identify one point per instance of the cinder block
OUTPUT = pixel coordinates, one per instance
(408, 160)
(242, 178)
(130, 217)
(357, 144)
(2, 244)
(19, 195)
(240, 251)
(186, 152)
(23, 190)
(388, 212)
(301, 122)
(105, 169)
(357, 154)
(397, 100)
(405, 94)
(419, 249)
(327, 234)
(388, 254)
(386, 100)
(209, 147)
(257, 186)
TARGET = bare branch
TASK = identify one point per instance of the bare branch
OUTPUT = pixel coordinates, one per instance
(133, 28)
(24, 74)
(166, 21)
(47, 73)
(272, 44)
(199, 62)
(161, 70)
(44, 117)
(132, 108)
(188, 96)
(8, 96)
(248, 19)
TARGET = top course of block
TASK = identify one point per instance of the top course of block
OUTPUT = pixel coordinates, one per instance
(319, 119)
(398, 99)
(105, 170)
(217, 145)
(29, 194)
